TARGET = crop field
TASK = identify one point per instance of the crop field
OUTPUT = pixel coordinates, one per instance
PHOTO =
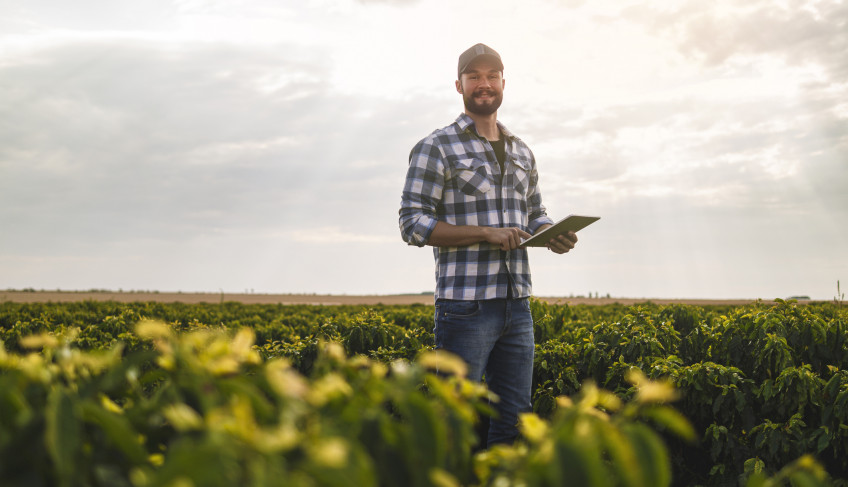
(222, 393)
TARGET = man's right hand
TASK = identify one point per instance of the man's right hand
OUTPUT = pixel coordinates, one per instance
(506, 238)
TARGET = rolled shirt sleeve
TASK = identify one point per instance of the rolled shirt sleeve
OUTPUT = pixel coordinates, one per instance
(537, 215)
(422, 193)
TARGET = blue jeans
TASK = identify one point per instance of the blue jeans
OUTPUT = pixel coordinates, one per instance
(495, 338)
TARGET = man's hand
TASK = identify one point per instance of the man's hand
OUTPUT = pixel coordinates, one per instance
(506, 238)
(562, 243)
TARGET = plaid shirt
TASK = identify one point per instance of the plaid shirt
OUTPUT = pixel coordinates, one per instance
(454, 177)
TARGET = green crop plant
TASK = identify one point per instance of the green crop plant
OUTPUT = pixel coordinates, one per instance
(84, 391)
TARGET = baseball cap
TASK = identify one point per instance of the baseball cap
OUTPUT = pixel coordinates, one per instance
(473, 53)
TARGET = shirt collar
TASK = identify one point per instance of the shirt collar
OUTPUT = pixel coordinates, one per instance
(464, 122)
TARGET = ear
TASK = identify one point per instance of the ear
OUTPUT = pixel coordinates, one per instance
(459, 86)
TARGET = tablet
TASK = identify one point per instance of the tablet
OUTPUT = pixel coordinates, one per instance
(571, 223)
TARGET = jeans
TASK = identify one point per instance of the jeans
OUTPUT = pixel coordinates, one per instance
(495, 339)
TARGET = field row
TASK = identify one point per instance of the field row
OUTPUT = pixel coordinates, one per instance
(316, 394)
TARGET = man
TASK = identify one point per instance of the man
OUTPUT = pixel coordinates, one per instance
(471, 193)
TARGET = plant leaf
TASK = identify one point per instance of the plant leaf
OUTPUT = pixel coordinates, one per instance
(62, 435)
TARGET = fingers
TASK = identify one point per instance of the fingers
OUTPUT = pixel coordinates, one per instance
(508, 238)
(513, 238)
(563, 243)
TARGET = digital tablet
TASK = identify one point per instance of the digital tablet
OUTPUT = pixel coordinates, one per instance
(571, 223)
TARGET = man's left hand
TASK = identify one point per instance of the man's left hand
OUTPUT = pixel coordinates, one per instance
(563, 243)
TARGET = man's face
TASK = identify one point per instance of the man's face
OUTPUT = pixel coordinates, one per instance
(481, 86)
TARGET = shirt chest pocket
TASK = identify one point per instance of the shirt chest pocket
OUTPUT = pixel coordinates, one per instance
(518, 177)
(471, 176)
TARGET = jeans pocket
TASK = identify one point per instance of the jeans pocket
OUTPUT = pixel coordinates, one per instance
(458, 309)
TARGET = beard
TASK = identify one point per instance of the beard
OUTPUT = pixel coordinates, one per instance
(483, 108)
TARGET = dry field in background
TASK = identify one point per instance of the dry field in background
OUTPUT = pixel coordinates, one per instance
(317, 299)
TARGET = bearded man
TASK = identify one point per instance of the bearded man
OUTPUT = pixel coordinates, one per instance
(471, 192)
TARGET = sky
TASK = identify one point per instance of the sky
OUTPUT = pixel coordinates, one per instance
(261, 146)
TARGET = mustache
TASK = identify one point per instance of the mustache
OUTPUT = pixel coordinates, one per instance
(484, 92)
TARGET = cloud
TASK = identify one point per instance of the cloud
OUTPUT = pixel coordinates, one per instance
(125, 123)
(759, 120)
(89, 15)
(798, 32)
(159, 140)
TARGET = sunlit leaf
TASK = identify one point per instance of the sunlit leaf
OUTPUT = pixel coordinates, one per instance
(43, 340)
(443, 362)
(153, 329)
(532, 427)
(673, 420)
(182, 417)
(330, 452)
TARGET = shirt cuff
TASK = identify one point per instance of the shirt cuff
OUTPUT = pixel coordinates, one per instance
(538, 222)
(422, 230)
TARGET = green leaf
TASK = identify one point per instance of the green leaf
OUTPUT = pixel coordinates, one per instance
(672, 420)
(426, 434)
(13, 405)
(117, 428)
(582, 466)
(63, 434)
(756, 480)
(653, 459)
(805, 479)
(824, 440)
(242, 388)
(620, 450)
(718, 401)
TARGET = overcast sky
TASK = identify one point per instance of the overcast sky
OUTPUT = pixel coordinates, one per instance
(228, 145)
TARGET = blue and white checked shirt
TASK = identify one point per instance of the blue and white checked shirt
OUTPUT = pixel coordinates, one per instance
(454, 177)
